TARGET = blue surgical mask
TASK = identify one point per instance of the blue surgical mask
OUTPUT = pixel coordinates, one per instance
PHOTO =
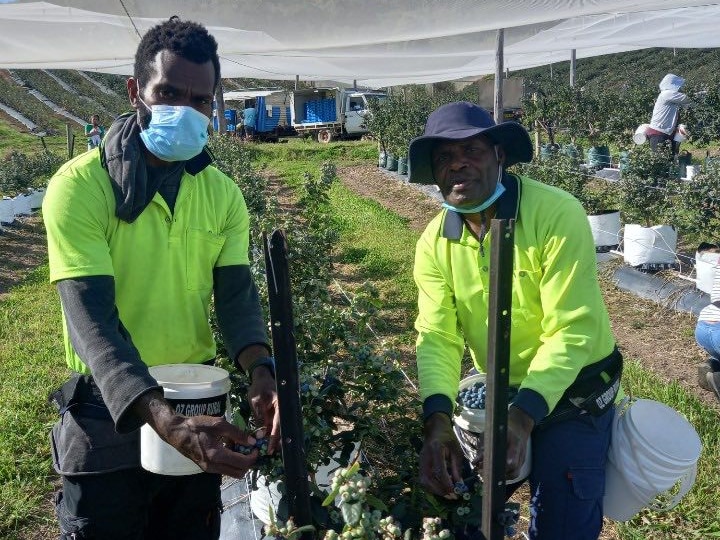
(175, 132)
(499, 190)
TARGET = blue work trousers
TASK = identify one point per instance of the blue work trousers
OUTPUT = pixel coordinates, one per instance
(567, 482)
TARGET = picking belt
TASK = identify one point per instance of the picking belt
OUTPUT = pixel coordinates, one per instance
(593, 392)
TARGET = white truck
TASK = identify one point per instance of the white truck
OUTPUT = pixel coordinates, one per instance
(328, 114)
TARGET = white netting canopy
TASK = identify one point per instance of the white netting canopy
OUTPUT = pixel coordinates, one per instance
(374, 42)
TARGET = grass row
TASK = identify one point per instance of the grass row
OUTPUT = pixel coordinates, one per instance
(380, 243)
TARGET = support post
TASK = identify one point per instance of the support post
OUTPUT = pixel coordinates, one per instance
(288, 386)
(499, 40)
(68, 138)
(297, 82)
(537, 128)
(220, 109)
(502, 232)
(572, 67)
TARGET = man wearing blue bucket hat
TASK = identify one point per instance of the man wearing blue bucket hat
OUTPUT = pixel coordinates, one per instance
(143, 233)
(563, 358)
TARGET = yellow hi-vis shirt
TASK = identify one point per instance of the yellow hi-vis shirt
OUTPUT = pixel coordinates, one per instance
(559, 320)
(162, 263)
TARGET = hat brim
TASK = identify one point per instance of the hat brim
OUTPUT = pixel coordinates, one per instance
(511, 136)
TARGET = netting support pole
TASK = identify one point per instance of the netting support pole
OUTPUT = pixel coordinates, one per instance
(220, 109)
(499, 40)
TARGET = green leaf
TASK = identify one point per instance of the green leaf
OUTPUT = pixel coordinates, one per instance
(376, 503)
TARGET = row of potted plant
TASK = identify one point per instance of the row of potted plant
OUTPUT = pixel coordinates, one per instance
(650, 200)
(22, 182)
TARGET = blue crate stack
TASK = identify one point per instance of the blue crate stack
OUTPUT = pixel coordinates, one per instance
(320, 110)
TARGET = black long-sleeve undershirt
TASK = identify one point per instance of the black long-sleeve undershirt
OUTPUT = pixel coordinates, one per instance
(105, 346)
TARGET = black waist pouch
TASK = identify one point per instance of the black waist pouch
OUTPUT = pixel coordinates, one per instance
(84, 440)
(594, 390)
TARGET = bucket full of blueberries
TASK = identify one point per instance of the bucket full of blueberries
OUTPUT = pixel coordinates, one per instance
(469, 420)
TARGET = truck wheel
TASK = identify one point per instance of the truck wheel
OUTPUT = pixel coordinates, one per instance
(325, 136)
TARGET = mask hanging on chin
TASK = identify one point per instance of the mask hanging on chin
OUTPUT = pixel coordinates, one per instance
(499, 190)
(175, 132)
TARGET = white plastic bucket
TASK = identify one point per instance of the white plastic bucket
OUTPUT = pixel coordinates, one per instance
(653, 448)
(705, 265)
(681, 134)
(639, 136)
(649, 245)
(194, 390)
(606, 228)
(470, 430)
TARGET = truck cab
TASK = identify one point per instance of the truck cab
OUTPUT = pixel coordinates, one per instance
(356, 107)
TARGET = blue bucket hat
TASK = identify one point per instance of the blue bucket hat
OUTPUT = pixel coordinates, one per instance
(462, 120)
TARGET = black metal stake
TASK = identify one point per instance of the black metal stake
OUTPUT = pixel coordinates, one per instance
(502, 232)
(288, 387)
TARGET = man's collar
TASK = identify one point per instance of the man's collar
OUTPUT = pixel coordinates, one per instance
(199, 162)
(506, 207)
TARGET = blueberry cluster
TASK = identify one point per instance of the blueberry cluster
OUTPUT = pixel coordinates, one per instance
(460, 488)
(260, 444)
(473, 397)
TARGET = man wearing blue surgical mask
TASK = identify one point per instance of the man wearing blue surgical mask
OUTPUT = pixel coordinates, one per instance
(142, 235)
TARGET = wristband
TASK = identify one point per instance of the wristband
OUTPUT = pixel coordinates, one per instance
(267, 361)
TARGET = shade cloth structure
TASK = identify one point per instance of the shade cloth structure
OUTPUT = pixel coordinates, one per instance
(374, 42)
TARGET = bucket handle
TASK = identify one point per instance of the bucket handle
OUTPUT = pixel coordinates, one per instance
(688, 479)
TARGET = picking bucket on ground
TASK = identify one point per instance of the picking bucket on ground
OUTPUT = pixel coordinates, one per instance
(469, 426)
(653, 450)
(194, 390)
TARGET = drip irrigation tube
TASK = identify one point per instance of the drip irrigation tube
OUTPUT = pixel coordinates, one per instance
(661, 290)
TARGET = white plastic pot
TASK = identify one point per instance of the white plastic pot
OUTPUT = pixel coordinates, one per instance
(22, 205)
(649, 245)
(267, 494)
(36, 198)
(705, 264)
(691, 171)
(7, 210)
(606, 228)
(681, 134)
